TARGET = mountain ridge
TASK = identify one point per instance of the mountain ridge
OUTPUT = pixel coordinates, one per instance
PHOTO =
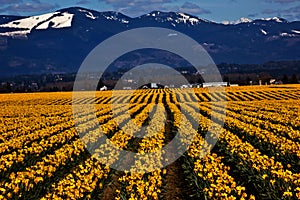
(158, 15)
(59, 41)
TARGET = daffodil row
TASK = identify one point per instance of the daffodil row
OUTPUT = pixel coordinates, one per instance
(18, 149)
(281, 114)
(91, 131)
(122, 133)
(61, 123)
(247, 155)
(251, 127)
(92, 175)
(16, 125)
(84, 179)
(221, 185)
(212, 174)
(140, 185)
(35, 174)
(266, 120)
(18, 157)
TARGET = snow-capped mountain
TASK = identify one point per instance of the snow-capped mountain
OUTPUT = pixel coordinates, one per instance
(247, 20)
(241, 20)
(50, 20)
(174, 18)
(59, 41)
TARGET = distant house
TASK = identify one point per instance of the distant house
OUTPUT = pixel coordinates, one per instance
(184, 86)
(190, 86)
(184, 72)
(272, 81)
(104, 88)
(215, 84)
(154, 85)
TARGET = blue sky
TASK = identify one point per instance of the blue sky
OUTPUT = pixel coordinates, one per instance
(215, 10)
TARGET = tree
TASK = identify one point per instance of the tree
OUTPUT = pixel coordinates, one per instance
(294, 79)
(285, 79)
(225, 78)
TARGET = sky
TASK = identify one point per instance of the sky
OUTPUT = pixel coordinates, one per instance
(214, 10)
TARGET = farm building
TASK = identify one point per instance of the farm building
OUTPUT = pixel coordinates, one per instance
(215, 84)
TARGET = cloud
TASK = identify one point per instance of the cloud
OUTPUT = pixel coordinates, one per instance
(281, 1)
(137, 7)
(192, 8)
(33, 7)
(135, 3)
(253, 15)
(140, 7)
(270, 11)
(290, 14)
(83, 2)
(2, 2)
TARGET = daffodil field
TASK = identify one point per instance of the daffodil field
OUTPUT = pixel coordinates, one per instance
(257, 155)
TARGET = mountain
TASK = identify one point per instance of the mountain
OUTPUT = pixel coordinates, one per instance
(58, 42)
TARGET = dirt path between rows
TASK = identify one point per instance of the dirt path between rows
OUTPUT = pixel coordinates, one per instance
(176, 186)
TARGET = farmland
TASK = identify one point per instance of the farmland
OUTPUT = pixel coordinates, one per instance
(256, 156)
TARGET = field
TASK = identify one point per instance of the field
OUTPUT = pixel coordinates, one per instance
(256, 156)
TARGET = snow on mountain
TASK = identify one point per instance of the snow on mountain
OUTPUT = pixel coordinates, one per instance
(226, 22)
(295, 31)
(62, 21)
(186, 18)
(247, 20)
(276, 19)
(287, 35)
(15, 33)
(124, 21)
(115, 16)
(88, 14)
(27, 24)
(263, 31)
(175, 18)
(239, 21)
(55, 20)
(243, 20)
